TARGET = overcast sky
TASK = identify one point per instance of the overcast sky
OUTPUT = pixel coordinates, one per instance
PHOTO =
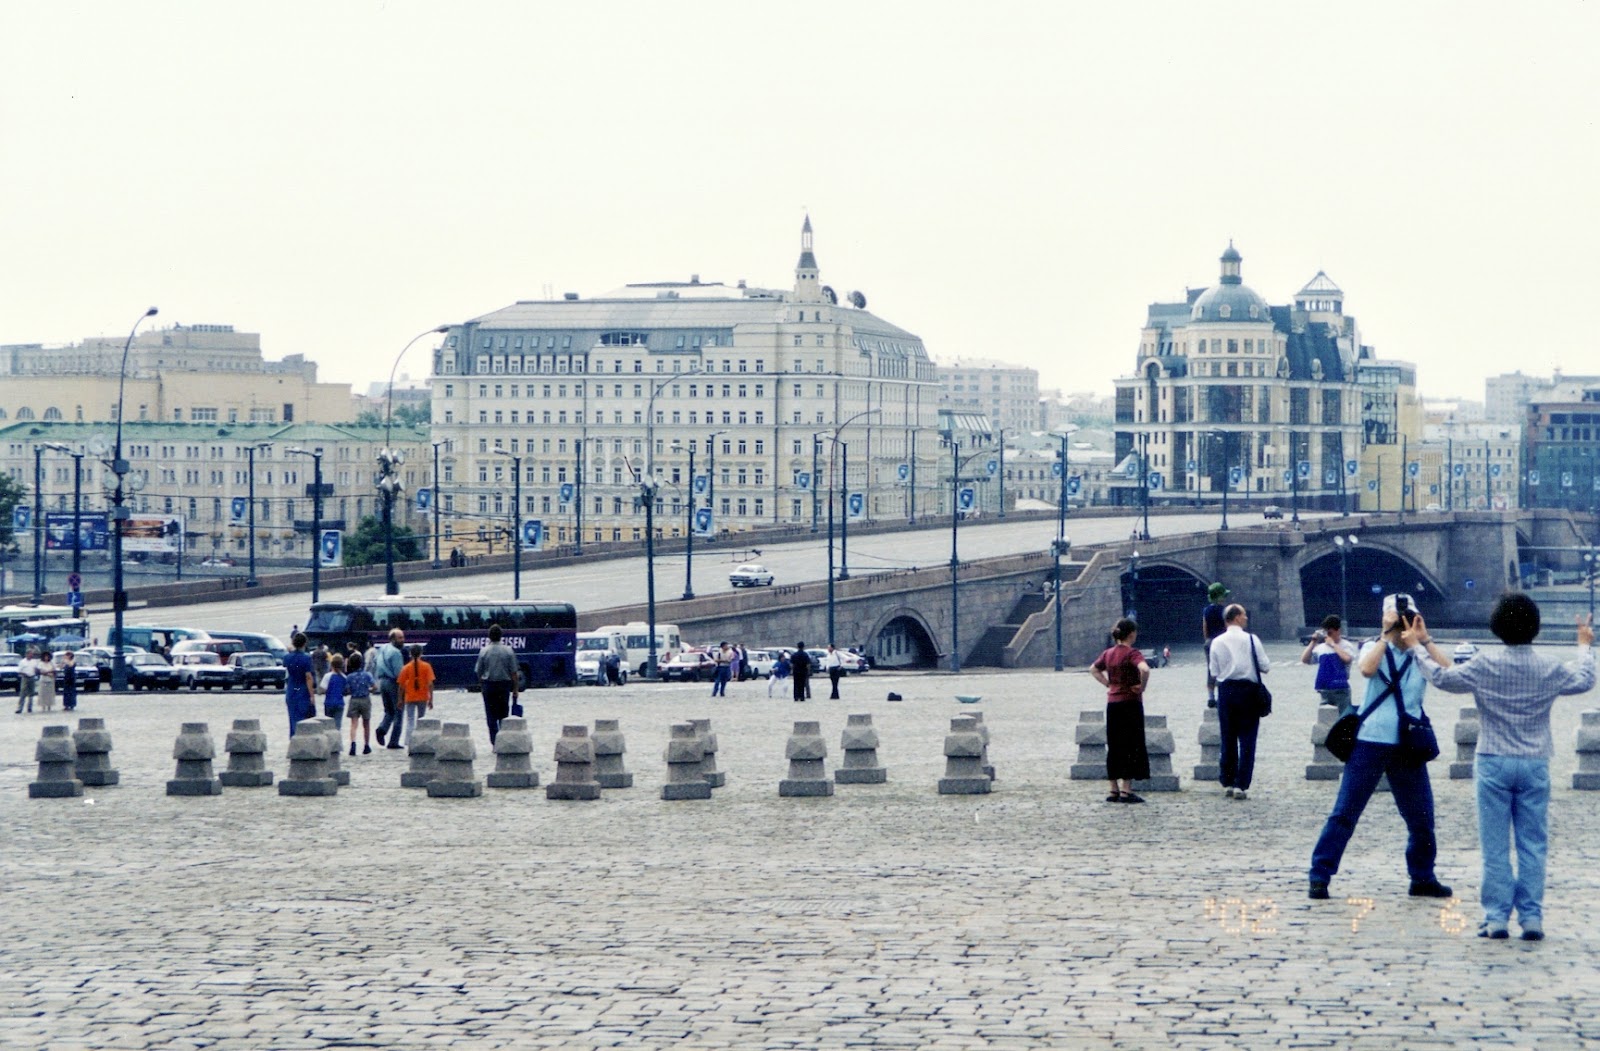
(1008, 181)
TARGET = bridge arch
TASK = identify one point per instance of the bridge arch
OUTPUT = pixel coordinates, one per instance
(1167, 600)
(902, 638)
(1372, 564)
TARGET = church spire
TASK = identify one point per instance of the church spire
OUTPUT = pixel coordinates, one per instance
(807, 280)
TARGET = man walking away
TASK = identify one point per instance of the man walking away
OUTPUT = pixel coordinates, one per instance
(497, 677)
(800, 668)
(1234, 657)
(387, 660)
(835, 665)
(1514, 689)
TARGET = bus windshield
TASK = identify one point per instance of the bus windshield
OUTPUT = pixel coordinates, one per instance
(543, 635)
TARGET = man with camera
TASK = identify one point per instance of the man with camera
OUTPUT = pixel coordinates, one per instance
(1333, 655)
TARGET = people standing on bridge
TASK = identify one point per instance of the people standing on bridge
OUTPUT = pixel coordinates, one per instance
(1333, 654)
(1234, 659)
(1394, 681)
(800, 671)
(1514, 689)
(358, 685)
(719, 678)
(1122, 670)
(416, 694)
(835, 666)
(1212, 625)
(299, 686)
(496, 670)
(387, 660)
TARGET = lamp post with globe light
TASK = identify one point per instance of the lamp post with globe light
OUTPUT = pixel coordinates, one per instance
(316, 517)
(119, 515)
(388, 480)
(1346, 545)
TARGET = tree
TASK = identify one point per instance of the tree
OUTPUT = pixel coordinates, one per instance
(364, 547)
(12, 493)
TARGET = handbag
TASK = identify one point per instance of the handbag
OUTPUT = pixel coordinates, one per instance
(1419, 745)
(1416, 741)
(1263, 695)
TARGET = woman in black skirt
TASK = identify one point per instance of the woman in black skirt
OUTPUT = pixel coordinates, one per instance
(1123, 672)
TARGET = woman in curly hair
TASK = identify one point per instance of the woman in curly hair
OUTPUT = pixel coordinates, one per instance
(1123, 672)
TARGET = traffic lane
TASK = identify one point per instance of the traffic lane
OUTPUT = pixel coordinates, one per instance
(605, 583)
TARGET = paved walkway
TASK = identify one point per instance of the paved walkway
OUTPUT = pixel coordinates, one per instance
(886, 916)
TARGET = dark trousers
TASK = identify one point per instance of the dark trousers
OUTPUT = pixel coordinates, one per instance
(390, 691)
(69, 691)
(802, 689)
(496, 704)
(1239, 722)
(1413, 795)
(834, 675)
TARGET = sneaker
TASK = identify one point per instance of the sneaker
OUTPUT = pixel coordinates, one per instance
(1496, 930)
(1317, 890)
(1430, 888)
(1239, 793)
(1228, 792)
(1532, 930)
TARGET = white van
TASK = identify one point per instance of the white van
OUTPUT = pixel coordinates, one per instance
(594, 649)
(636, 641)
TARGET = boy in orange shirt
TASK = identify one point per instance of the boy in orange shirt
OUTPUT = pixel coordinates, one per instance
(416, 689)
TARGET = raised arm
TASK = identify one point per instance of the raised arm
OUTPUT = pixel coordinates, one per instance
(1434, 662)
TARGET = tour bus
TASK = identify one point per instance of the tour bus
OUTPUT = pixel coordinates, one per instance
(451, 631)
(636, 639)
(12, 618)
(55, 633)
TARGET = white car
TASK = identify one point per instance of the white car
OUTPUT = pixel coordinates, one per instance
(200, 670)
(751, 575)
(760, 662)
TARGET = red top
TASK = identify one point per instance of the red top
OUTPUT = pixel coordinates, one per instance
(1121, 665)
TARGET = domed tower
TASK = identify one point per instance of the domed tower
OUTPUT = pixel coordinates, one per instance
(1230, 299)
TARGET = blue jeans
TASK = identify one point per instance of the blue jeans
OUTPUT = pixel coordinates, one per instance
(1513, 797)
(719, 681)
(1413, 795)
(1238, 722)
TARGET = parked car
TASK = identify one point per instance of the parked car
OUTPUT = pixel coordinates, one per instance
(198, 669)
(222, 647)
(751, 575)
(1272, 511)
(760, 662)
(10, 670)
(689, 666)
(852, 663)
(85, 671)
(218, 563)
(1463, 653)
(258, 671)
(150, 671)
(260, 642)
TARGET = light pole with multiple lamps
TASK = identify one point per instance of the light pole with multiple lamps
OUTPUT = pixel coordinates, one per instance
(316, 517)
(1346, 546)
(516, 521)
(1144, 483)
(119, 515)
(953, 443)
(250, 580)
(389, 462)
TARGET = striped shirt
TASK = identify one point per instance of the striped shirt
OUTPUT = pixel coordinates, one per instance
(1515, 688)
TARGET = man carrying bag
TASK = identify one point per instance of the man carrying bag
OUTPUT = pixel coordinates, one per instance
(1237, 661)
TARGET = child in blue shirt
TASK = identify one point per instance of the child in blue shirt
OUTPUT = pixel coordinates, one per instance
(333, 689)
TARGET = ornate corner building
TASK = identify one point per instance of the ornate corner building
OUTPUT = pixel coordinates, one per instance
(1231, 391)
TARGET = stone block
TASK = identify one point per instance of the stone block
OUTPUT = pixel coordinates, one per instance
(575, 778)
(859, 742)
(1090, 736)
(609, 747)
(1324, 765)
(246, 745)
(308, 763)
(513, 756)
(1159, 744)
(1466, 738)
(964, 772)
(708, 762)
(453, 756)
(193, 751)
(57, 756)
(420, 754)
(806, 752)
(1587, 776)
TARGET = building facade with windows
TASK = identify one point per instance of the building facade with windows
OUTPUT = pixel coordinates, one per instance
(767, 389)
(1229, 390)
(179, 374)
(1007, 394)
(1562, 457)
(194, 472)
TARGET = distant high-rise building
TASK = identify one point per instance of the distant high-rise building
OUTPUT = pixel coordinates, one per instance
(1007, 394)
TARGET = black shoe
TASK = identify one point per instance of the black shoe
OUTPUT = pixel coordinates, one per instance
(366, 749)
(352, 748)
(1115, 797)
(396, 747)
(1317, 890)
(379, 736)
(1532, 934)
(1499, 933)
(1430, 888)
(1129, 797)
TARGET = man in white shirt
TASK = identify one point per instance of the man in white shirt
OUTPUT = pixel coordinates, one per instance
(1235, 655)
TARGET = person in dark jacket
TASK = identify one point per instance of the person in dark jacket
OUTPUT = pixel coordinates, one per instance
(800, 671)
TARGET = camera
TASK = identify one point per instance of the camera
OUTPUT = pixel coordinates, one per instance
(1402, 607)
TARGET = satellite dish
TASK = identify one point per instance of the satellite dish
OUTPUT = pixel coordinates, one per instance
(96, 445)
(858, 300)
(830, 295)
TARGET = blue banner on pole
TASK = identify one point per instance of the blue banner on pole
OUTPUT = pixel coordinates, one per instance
(532, 534)
(1351, 467)
(424, 499)
(992, 466)
(21, 516)
(1372, 486)
(903, 471)
(330, 547)
(1073, 485)
(1330, 477)
(567, 492)
(1494, 469)
(857, 505)
(1460, 469)
(1533, 477)
(703, 521)
(801, 478)
(966, 499)
(1304, 466)
(94, 531)
(1055, 469)
(701, 481)
(238, 510)
(1155, 479)
(1235, 475)
(1413, 468)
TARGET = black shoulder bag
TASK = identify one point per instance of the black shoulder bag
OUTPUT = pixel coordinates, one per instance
(1416, 740)
(1263, 695)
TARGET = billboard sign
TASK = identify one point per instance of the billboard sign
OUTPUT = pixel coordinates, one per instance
(703, 521)
(94, 533)
(153, 534)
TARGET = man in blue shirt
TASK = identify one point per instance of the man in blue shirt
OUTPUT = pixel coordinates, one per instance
(1514, 689)
(299, 685)
(387, 660)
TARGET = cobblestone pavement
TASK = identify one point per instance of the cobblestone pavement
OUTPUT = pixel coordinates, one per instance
(886, 916)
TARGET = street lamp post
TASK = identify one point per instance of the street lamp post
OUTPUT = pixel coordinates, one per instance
(389, 462)
(250, 581)
(1062, 544)
(1133, 590)
(1294, 480)
(577, 496)
(647, 491)
(434, 500)
(844, 494)
(816, 444)
(688, 562)
(1346, 545)
(1144, 482)
(816, 448)
(316, 518)
(1591, 567)
(38, 524)
(711, 483)
(1002, 472)
(119, 514)
(516, 522)
(955, 558)
(913, 479)
(1227, 475)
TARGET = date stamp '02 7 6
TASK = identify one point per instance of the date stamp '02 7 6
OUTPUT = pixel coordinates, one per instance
(1253, 916)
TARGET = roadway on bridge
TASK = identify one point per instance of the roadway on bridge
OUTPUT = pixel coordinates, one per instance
(604, 583)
